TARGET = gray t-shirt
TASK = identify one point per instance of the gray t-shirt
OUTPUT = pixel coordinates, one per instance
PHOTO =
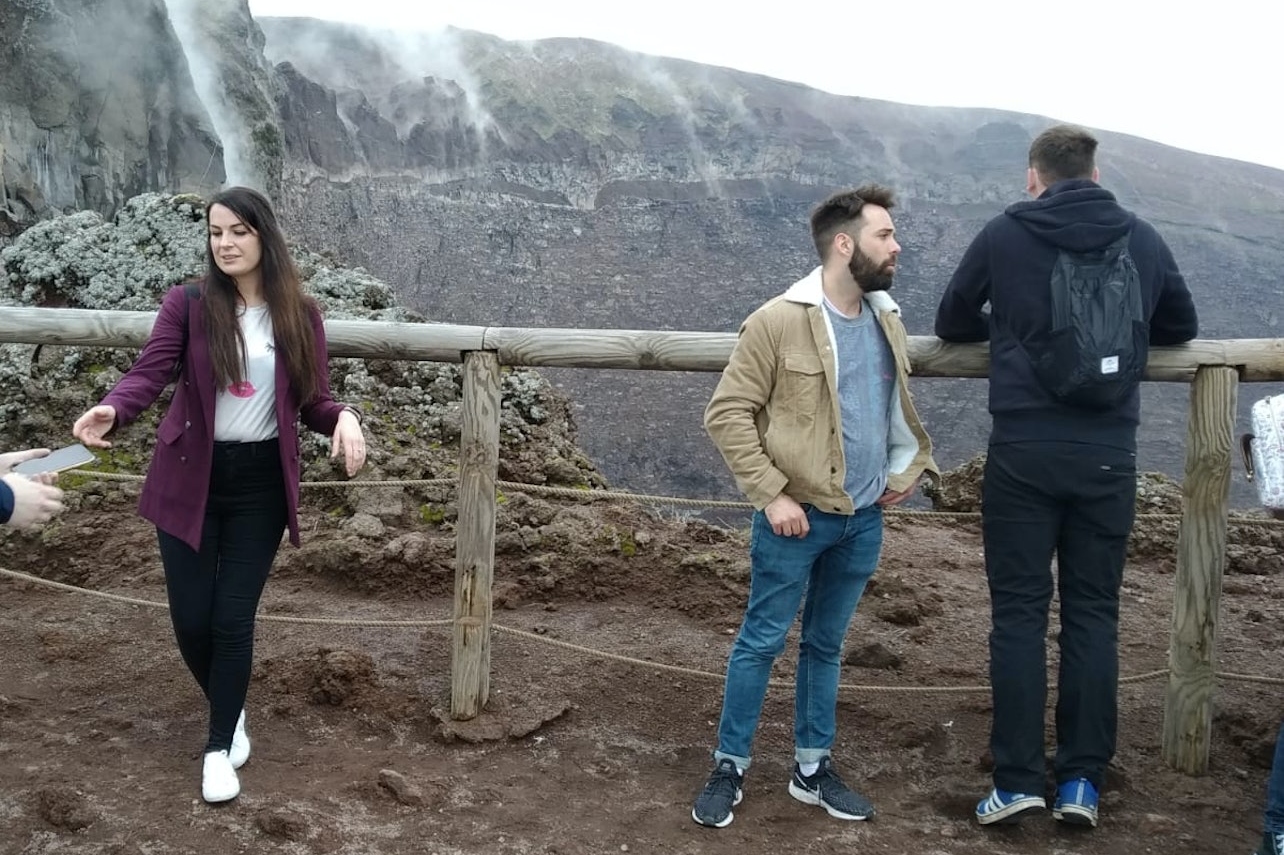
(866, 383)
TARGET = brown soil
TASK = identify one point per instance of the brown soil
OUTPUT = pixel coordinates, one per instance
(101, 726)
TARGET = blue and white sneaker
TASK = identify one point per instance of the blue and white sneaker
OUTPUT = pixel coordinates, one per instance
(1272, 844)
(1076, 803)
(1003, 807)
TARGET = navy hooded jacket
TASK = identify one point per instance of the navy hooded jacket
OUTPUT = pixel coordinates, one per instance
(1009, 265)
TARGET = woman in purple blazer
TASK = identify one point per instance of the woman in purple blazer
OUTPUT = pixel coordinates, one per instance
(250, 354)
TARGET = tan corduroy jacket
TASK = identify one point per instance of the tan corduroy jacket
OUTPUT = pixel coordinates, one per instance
(775, 414)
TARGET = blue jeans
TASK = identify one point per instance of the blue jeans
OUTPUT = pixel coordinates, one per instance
(830, 566)
(1274, 823)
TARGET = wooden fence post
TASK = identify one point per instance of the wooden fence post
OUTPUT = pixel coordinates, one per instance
(475, 535)
(1201, 561)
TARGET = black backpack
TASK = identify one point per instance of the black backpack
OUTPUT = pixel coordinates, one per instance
(1095, 354)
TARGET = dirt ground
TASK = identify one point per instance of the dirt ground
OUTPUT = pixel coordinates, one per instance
(101, 726)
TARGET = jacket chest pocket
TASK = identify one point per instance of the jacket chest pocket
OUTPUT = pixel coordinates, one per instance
(804, 383)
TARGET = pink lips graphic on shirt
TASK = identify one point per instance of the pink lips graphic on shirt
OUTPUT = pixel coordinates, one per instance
(242, 389)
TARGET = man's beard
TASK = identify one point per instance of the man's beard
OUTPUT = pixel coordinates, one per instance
(870, 275)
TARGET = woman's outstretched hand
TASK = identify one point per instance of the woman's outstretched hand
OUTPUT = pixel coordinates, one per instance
(94, 425)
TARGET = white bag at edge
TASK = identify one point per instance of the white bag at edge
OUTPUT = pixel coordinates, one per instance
(1263, 451)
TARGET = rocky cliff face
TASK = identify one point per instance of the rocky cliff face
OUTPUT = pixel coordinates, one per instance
(96, 105)
(223, 48)
(100, 101)
(571, 183)
(659, 194)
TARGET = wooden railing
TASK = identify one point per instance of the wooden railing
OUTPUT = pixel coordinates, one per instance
(1214, 368)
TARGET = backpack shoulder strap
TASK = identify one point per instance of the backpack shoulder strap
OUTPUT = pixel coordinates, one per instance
(191, 291)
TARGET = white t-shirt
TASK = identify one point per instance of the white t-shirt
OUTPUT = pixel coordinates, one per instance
(246, 411)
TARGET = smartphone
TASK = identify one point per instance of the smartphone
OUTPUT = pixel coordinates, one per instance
(71, 457)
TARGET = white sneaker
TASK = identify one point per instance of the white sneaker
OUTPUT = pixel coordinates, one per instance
(240, 751)
(219, 782)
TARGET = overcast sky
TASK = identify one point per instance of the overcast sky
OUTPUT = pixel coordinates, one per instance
(1197, 75)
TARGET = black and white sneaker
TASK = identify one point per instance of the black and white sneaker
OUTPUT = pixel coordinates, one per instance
(826, 789)
(721, 793)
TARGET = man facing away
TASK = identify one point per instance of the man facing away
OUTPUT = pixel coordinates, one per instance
(1059, 478)
(814, 419)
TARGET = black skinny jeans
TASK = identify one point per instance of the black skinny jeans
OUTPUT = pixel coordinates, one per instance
(1076, 501)
(214, 593)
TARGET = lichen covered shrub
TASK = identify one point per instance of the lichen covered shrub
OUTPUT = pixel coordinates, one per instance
(83, 261)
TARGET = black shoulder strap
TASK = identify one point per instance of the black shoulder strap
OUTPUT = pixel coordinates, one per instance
(190, 291)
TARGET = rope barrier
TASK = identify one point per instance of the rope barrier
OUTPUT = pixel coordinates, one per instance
(710, 675)
(595, 495)
(152, 604)
(582, 649)
(91, 475)
(598, 495)
(1251, 678)
(571, 492)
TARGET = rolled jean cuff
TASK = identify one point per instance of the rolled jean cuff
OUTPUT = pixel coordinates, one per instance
(742, 763)
(810, 755)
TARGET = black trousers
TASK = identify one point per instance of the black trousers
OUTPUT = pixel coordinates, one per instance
(1076, 501)
(214, 592)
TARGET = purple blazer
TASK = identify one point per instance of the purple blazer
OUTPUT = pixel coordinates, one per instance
(176, 490)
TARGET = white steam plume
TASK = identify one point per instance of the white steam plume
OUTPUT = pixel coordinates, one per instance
(187, 18)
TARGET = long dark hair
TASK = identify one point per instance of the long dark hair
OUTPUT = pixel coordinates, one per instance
(289, 307)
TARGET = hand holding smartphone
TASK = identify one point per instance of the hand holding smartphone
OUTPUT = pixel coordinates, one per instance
(69, 457)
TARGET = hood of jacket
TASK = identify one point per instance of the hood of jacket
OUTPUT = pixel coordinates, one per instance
(1076, 215)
